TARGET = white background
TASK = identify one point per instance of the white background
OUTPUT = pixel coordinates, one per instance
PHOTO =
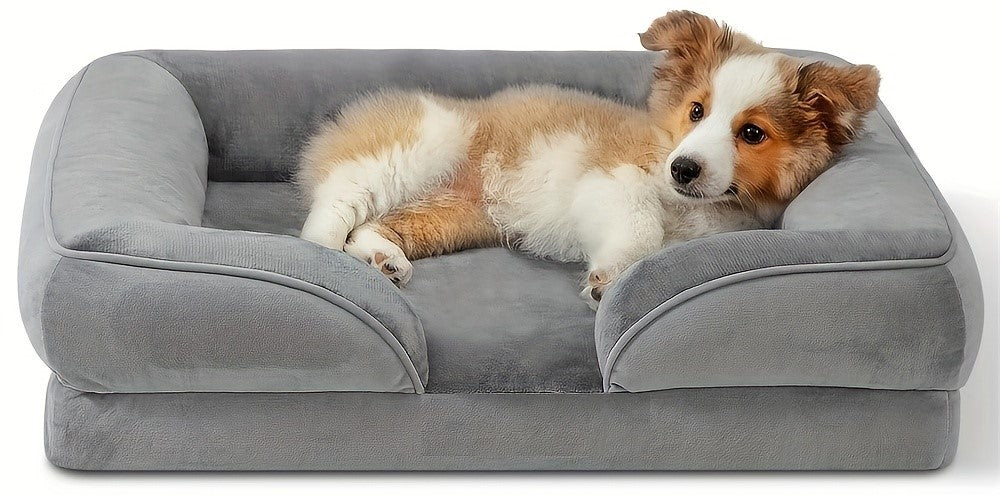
(938, 65)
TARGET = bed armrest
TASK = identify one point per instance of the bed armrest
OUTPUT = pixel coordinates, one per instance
(868, 282)
(122, 291)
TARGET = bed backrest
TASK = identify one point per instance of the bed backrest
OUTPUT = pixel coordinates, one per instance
(259, 106)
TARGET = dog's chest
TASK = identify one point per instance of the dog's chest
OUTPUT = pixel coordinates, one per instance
(530, 200)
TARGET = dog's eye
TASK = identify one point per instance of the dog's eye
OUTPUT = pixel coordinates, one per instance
(697, 112)
(752, 134)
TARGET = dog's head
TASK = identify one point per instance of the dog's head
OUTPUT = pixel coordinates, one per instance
(745, 120)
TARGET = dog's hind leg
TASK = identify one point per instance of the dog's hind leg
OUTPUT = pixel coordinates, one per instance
(383, 152)
(433, 226)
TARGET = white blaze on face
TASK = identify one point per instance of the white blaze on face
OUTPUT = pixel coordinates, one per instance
(740, 83)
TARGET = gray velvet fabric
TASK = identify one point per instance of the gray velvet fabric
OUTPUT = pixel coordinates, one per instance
(771, 428)
(36, 260)
(253, 206)
(131, 148)
(258, 106)
(962, 266)
(283, 261)
(774, 331)
(497, 321)
(181, 331)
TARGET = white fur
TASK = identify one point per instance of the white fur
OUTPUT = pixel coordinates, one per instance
(618, 217)
(530, 204)
(619, 220)
(369, 186)
(740, 83)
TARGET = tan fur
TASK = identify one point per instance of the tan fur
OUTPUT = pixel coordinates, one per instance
(614, 133)
(437, 225)
(364, 127)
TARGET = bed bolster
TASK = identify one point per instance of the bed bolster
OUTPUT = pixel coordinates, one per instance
(121, 288)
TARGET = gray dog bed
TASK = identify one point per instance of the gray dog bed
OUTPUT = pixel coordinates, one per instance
(188, 329)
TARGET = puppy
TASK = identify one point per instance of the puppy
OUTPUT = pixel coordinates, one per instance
(731, 133)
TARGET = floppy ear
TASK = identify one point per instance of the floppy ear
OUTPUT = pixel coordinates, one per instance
(841, 95)
(683, 33)
(690, 36)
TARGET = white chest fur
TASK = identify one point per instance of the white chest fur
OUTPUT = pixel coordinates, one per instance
(530, 202)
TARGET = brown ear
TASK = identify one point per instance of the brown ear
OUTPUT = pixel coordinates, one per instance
(690, 35)
(841, 95)
(682, 31)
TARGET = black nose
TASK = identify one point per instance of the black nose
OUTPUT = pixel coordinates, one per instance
(684, 170)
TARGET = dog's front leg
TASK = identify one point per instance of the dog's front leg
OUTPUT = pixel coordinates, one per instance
(619, 218)
(620, 251)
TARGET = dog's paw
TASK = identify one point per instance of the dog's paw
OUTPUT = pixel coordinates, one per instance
(369, 246)
(588, 296)
(395, 266)
(593, 291)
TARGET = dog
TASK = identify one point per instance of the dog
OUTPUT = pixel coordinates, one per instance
(732, 132)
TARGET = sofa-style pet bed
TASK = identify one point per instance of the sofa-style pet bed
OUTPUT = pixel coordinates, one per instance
(188, 329)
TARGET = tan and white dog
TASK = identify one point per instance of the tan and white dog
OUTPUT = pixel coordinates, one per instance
(733, 131)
